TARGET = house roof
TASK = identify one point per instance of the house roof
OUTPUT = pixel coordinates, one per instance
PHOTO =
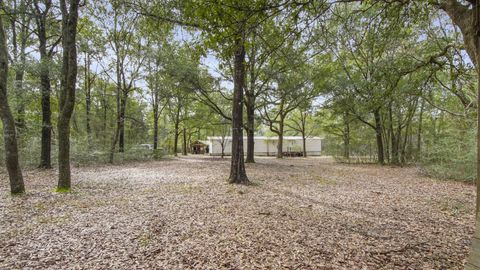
(198, 143)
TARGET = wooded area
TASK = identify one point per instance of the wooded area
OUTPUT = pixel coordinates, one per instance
(392, 83)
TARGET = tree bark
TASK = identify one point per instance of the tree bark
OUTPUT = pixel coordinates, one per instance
(155, 127)
(473, 262)
(303, 122)
(114, 144)
(11, 150)
(121, 123)
(250, 106)
(45, 90)
(346, 139)
(419, 132)
(67, 92)
(238, 174)
(280, 138)
(378, 133)
(222, 144)
(19, 74)
(105, 112)
(468, 20)
(88, 97)
(184, 152)
(304, 141)
(19, 56)
(177, 133)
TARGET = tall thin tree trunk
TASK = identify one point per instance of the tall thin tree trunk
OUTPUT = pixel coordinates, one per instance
(238, 175)
(114, 144)
(88, 97)
(390, 140)
(67, 92)
(19, 74)
(19, 57)
(250, 128)
(121, 127)
(184, 152)
(11, 150)
(280, 138)
(222, 144)
(177, 132)
(155, 127)
(105, 113)
(304, 141)
(419, 132)
(403, 158)
(346, 138)
(116, 134)
(378, 133)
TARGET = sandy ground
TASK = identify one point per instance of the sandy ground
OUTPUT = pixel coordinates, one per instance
(181, 214)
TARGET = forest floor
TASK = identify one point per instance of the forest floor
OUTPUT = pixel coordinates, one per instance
(181, 214)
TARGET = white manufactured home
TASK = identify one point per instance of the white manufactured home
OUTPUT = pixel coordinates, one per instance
(267, 146)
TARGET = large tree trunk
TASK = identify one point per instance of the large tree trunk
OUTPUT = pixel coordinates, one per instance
(67, 92)
(378, 134)
(473, 262)
(238, 175)
(468, 20)
(45, 89)
(10, 139)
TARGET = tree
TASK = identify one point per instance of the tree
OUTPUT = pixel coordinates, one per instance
(67, 91)
(300, 122)
(11, 150)
(154, 81)
(467, 18)
(128, 53)
(90, 40)
(20, 29)
(292, 90)
(44, 22)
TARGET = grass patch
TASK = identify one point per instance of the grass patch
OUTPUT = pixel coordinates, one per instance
(63, 190)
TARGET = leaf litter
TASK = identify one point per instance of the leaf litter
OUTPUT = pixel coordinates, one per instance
(181, 214)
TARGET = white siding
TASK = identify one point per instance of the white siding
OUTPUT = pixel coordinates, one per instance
(268, 145)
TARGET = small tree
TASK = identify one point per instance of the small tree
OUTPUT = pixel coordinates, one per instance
(300, 123)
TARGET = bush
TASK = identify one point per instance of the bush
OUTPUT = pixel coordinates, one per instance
(451, 156)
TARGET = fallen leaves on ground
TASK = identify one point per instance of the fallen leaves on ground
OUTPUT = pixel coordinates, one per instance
(181, 214)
